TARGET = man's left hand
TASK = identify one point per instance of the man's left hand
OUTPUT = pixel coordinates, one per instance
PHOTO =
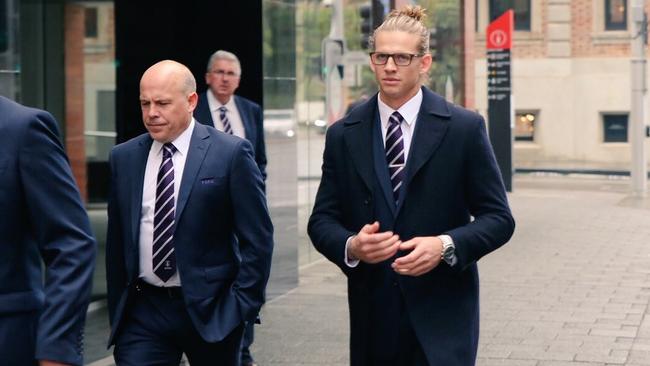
(425, 255)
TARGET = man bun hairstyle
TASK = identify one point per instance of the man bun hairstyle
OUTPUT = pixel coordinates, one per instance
(409, 19)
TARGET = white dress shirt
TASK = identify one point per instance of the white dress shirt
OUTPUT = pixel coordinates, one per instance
(232, 113)
(182, 144)
(409, 112)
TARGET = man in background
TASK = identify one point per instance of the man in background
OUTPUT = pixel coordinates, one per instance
(221, 108)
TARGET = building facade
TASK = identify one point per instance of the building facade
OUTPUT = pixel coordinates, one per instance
(571, 81)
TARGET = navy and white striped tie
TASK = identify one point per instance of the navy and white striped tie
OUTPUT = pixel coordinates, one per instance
(395, 153)
(224, 120)
(164, 259)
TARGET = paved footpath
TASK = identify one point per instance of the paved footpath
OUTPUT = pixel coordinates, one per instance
(571, 288)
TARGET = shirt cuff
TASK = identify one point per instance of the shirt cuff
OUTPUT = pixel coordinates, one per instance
(349, 262)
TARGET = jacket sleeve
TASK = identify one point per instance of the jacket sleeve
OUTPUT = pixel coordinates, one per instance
(325, 227)
(493, 223)
(253, 229)
(115, 262)
(62, 230)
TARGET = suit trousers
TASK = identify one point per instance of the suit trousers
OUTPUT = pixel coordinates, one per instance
(157, 330)
(391, 340)
(249, 337)
(18, 338)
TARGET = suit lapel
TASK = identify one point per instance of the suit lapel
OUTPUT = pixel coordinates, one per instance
(430, 129)
(139, 161)
(203, 110)
(381, 166)
(358, 139)
(246, 120)
(199, 145)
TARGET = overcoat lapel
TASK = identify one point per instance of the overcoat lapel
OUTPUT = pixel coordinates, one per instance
(381, 166)
(430, 129)
(358, 140)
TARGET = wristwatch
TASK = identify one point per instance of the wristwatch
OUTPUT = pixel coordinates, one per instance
(448, 250)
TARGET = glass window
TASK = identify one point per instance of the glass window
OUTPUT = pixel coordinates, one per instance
(280, 57)
(615, 15)
(476, 12)
(91, 22)
(99, 96)
(525, 123)
(615, 127)
(4, 32)
(521, 8)
(9, 56)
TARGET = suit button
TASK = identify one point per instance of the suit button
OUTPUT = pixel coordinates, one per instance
(367, 201)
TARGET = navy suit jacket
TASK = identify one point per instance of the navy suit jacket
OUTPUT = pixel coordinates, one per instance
(251, 115)
(223, 237)
(451, 176)
(42, 218)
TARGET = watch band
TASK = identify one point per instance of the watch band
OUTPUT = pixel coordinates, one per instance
(448, 253)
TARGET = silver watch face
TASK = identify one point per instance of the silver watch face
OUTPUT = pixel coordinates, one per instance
(448, 252)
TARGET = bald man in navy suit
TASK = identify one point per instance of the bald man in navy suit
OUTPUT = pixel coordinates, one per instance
(189, 238)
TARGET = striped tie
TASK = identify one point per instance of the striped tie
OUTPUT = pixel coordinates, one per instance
(164, 259)
(395, 153)
(224, 120)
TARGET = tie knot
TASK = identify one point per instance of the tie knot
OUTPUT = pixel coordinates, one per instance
(223, 109)
(396, 118)
(168, 149)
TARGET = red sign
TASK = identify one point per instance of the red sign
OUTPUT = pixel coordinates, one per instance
(499, 32)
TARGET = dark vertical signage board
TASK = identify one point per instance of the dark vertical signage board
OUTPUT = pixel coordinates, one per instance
(499, 91)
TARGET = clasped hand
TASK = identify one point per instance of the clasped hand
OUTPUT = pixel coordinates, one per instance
(372, 246)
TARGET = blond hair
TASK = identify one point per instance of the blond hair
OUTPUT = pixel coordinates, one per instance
(409, 19)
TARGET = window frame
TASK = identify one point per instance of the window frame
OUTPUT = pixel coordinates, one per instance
(91, 22)
(609, 25)
(535, 125)
(527, 28)
(604, 123)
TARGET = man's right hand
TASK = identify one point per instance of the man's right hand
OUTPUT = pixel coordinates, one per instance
(372, 246)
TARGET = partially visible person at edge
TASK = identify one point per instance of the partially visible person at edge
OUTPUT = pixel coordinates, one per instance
(220, 108)
(42, 220)
(409, 200)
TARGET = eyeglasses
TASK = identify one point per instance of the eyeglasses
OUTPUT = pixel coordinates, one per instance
(400, 59)
(223, 73)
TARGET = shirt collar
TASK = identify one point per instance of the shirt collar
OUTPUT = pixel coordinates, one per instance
(408, 110)
(181, 143)
(215, 104)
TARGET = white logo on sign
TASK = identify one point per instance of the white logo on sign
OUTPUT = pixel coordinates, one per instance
(498, 38)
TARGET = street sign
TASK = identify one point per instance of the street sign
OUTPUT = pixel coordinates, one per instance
(499, 90)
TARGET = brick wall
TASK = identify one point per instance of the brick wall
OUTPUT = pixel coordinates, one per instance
(74, 94)
(588, 38)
